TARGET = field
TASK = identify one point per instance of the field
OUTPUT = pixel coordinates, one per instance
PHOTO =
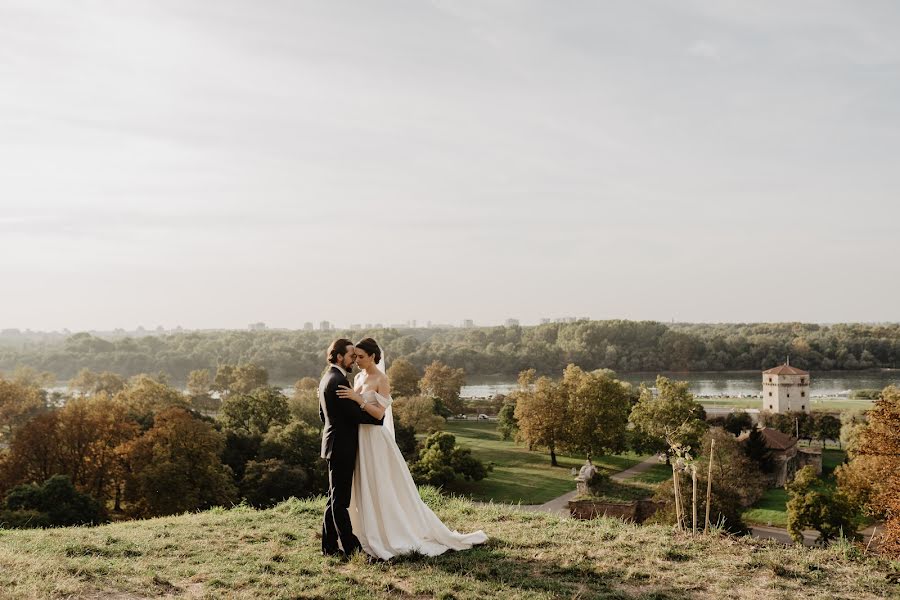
(243, 553)
(520, 476)
(816, 404)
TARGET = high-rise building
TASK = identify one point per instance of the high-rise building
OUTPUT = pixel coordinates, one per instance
(324, 326)
(512, 322)
(468, 323)
(260, 326)
(308, 326)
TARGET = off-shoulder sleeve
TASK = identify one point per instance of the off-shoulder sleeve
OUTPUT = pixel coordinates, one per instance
(384, 401)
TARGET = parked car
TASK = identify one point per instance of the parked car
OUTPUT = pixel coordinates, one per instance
(462, 416)
(482, 417)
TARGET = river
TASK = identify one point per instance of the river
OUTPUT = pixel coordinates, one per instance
(827, 384)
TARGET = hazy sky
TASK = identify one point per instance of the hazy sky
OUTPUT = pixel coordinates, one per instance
(210, 163)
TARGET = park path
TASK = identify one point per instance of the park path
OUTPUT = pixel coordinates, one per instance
(560, 505)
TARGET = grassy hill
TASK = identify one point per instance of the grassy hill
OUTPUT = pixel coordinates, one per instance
(244, 553)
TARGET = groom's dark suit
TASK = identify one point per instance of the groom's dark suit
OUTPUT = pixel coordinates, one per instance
(340, 443)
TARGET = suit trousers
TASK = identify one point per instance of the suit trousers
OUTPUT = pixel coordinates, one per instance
(336, 523)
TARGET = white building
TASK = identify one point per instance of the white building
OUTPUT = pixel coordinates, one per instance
(468, 323)
(785, 389)
(324, 326)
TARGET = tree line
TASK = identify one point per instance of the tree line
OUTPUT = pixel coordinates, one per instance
(138, 447)
(623, 346)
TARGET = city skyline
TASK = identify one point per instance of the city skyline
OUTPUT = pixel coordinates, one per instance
(212, 164)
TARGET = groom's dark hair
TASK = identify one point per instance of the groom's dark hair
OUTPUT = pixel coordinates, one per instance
(338, 347)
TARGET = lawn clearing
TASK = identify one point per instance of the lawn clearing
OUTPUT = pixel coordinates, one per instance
(520, 476)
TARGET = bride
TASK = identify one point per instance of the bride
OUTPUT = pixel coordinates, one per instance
(386, 512)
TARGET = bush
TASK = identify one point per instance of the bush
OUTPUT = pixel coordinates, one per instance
(441, 461)
(56, 502)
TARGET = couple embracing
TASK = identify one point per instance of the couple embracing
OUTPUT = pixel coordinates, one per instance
(373, 504)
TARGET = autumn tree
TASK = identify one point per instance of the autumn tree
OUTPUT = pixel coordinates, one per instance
(417, 412)
(827, 427)
(87, 382)
(144, 396)
(18, 404)
(176, 466)
(444, 383)
(541, 413)
(597, 412)
(872, 477)
(671, 412)
(404, 378)
(80, 441)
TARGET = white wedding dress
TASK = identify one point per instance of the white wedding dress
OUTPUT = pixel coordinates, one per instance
(386, 512)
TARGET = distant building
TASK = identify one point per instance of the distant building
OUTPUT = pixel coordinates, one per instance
(546, 321)
(787, 455)
(355, 326)
(512, 322)
(324, 326)
(308, 326)
(468, 323)
(785, 389)
(260, 326)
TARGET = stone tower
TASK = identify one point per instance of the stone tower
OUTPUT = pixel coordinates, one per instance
(785, 389)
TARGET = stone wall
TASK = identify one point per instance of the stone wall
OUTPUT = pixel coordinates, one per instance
(637, 511)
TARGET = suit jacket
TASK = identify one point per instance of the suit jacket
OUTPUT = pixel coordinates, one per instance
(341, 417)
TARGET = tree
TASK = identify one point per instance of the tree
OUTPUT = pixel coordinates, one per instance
(507, 426)
(872, 477)
(271, 481)
(853, 423)
(299, 444)
(406, 441)
(404, 377)
(809, 507)
(756, 450)
(441, 461)
(257, 411)
(176, 467)
(238, 379)
(56, 501)
(597, 408)
(144, 396)
(417, 412)
(80, 440)
(87, 383)
(827, 427)
(304, 402)
(444, 383)
(541, 415)
(672, 413)
(736, 482)
(737, 422)
(199, 382)
(19, 403)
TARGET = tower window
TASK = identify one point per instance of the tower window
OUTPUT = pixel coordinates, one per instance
(770, 407)
(770, 393)
(802, 407)
(789, 394)
(770, 380)
(803, 394)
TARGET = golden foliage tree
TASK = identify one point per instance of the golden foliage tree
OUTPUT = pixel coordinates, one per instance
(19, 402)
(597, 409)
(417, 412)
(176, 466)
(404, 378)
(872, 478)
(444, 383)
(541, 414)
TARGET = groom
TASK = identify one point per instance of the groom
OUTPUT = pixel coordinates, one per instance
(340, 441)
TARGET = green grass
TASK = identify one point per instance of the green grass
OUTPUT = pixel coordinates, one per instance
(274, 554)
(817, 404)
(520, 476)
(771, 509)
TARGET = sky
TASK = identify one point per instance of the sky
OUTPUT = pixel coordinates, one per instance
(212, 163)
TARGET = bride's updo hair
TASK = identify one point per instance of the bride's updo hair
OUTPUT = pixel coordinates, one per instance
(370, 347)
